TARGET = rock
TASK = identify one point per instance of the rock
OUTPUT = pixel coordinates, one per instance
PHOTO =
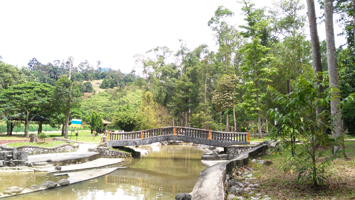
(33, 187)
(249, 169)
(239, 178)
(268, 163)
(253, 161)
(231, 183)
(13, 190)
(214, 153)
(230, 197)
(49, 185)
(33, 137)
(232, 189)
(183, 196)
(239, 184)
(254, 198)
(249, 175)
(58, 168)
(64, 182)
(49, 160)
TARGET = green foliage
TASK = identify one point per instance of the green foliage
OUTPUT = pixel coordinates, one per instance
(95, 122)
(108, 102)
(43, 136)
(224, 95)
(87, 87)
(126, 118)
(297, 120)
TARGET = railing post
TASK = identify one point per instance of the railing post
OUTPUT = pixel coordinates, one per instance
(210, 135)
(248, 137)
(142, 134)
(174, 130)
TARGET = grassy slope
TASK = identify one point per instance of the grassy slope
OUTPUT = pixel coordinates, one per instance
(104, 102)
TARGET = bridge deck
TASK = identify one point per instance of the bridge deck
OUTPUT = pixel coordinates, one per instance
(186, 134)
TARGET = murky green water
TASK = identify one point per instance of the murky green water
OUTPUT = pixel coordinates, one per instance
(166, 171)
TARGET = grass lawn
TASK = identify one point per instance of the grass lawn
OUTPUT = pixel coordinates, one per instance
(15, 137)
(84, 136)
(256, 138)
(39, 144)
(339, 183)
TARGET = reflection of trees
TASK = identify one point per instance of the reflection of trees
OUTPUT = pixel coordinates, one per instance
(159, 176)
(173, 161)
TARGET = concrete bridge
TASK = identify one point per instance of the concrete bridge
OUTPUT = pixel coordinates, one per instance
(186, 134)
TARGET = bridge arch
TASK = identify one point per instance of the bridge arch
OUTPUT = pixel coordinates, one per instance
(186, 134)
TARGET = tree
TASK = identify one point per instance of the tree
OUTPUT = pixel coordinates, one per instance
(95, 122)
(147, 112)
(68, 96)
(255, 69)
(335, 108)
(31, 99)
(126, 118)
(297, 119)
(224, 96)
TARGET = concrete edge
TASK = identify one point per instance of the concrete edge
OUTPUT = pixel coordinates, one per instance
(211, 184)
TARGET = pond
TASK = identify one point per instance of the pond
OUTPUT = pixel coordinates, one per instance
(165, 172)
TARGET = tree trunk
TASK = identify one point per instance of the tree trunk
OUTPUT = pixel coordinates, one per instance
(266, 126)
(39, 127)
(227, 123)
(186, 124)
(27, 125)
(220, 120)
(66, 122)
(333, 72)
(234, 119)
(316, 54)
(257, 95)
(8, 127)
(63, 126)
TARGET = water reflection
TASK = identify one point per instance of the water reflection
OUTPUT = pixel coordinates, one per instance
(161, 175)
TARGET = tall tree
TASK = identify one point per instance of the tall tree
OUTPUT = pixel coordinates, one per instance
(256, 71)
(316, 53)
(224, 97)
(333, 73)
(68, 96)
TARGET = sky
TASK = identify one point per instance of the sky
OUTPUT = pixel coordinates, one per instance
(111, 31)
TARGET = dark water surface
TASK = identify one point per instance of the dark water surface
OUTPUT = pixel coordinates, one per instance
(165, 172)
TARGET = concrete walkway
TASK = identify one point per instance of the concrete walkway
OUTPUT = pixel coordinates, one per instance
(101, 162)
(82, 152)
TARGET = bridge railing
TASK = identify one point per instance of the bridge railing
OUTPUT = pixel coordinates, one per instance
(182, 131)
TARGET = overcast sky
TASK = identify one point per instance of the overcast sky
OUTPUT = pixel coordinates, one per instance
(111, 31)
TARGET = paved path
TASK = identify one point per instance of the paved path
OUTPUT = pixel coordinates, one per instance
(101, 162)
(82, 152)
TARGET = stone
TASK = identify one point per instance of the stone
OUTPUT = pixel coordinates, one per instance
(33, 187)
(183, 196)
(58, 168)
(1, 163)
(239, 184)
(254, 198)
(230, 197)
(33, 138)
(64, 182)
(253, 161)
(49, 185)
(13, 190)
(249, 169)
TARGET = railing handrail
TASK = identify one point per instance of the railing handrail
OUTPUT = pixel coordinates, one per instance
(182, 127)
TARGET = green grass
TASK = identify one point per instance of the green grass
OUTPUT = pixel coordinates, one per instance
(277, 184)
(39, 144)
(256, 139)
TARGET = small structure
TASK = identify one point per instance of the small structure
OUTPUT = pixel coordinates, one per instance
(12, 158)
(22, 117)
(105, 124)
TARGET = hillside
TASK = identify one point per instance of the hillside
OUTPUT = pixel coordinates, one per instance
(107, 101)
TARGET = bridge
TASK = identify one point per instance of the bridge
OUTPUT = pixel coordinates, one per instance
(185, 134)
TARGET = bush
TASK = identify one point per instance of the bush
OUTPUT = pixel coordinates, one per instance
(43, 136)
